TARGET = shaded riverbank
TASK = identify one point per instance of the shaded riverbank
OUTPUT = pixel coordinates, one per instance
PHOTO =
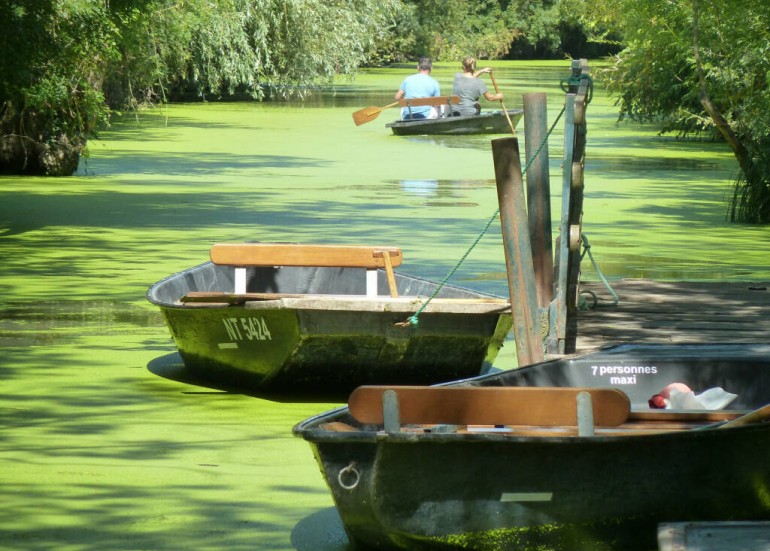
(107, 444)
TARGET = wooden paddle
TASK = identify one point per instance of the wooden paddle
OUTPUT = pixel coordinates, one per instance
(497, 91)
(761, 415)
(368, 114)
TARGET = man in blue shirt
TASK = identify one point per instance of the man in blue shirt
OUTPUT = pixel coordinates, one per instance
(419, 85)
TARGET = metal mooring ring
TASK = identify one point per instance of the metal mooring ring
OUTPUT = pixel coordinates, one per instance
(349, 472)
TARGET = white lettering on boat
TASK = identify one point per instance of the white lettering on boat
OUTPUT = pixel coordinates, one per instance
(252, 329)
(623, 380)
(602, 370)
(623, 374)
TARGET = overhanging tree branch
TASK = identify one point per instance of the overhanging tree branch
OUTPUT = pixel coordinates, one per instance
(739, 150)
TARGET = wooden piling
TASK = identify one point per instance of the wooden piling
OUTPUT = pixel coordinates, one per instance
(518, 250)
(539, 193)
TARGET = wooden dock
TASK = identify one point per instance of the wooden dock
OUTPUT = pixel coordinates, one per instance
(683, 312)
(674, 312)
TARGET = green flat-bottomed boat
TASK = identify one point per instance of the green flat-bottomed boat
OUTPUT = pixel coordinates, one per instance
(323, 317)
(566, 454)
(491, 122)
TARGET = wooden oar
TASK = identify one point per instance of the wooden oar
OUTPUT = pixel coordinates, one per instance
(761, 415)
(368, 114)
(497, 91)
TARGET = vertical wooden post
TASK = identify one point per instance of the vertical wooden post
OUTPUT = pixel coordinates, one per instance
(539, 193)
(559, 322)
(518, 250)
(563, 331)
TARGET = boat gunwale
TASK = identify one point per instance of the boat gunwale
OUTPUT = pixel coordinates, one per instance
(481, 296)
(452, 118)
(312, 431)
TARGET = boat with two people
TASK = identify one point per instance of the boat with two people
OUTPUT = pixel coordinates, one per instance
(488, 122)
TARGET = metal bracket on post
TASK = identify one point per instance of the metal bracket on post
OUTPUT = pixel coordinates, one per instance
(585, 414)
(390, 411)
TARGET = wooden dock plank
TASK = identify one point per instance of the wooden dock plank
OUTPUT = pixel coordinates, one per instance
(675, 312)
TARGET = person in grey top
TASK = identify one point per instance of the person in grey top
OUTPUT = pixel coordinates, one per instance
(470, 88)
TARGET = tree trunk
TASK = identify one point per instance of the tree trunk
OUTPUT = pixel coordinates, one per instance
(739, 150)
(23, 154)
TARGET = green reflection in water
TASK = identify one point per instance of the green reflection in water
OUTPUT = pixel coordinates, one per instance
(108, 444)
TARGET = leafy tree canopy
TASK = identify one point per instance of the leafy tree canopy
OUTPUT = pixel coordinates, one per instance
(489, 29)
(65, 63)
(698, 67)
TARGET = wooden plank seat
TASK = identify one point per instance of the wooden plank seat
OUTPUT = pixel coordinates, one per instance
(585, 408)
(526, 411)
(371, 258)
(434, 101)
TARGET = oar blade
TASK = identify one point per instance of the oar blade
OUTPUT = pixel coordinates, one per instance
(366, 114)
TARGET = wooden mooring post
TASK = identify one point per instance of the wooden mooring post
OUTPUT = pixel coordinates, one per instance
(518, 250)
(544, 292)
(563, 312)
(539, 193)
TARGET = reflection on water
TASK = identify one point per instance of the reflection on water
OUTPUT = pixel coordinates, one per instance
(420, 187)
(481, 142)
(49, 322)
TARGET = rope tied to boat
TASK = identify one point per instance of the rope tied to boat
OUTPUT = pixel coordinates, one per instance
(413, 320)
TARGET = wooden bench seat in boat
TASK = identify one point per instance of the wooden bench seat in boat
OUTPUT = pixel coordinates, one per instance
(523, 411)
(434, 101)
(585, 408)
(371, 258)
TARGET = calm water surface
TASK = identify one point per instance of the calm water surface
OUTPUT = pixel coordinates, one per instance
(106, 443)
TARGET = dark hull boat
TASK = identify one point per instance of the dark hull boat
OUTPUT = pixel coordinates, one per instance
(524, 481)
(492, 122)
(301, 317)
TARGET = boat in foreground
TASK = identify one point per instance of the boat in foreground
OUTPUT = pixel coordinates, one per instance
(325, 318)
(565, 454)
(490, 122)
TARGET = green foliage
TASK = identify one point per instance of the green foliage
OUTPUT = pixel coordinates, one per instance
(53, 54)
(251, 47)
(452, 29)
(656, 78)
(537, 24)
(65, 63)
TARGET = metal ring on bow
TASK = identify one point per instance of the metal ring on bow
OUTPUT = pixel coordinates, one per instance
(351, 472)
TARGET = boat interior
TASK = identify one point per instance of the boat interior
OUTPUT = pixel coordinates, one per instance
(522, 411)
(244, 272)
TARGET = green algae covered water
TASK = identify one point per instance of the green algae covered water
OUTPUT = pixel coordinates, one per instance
(107, 443)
